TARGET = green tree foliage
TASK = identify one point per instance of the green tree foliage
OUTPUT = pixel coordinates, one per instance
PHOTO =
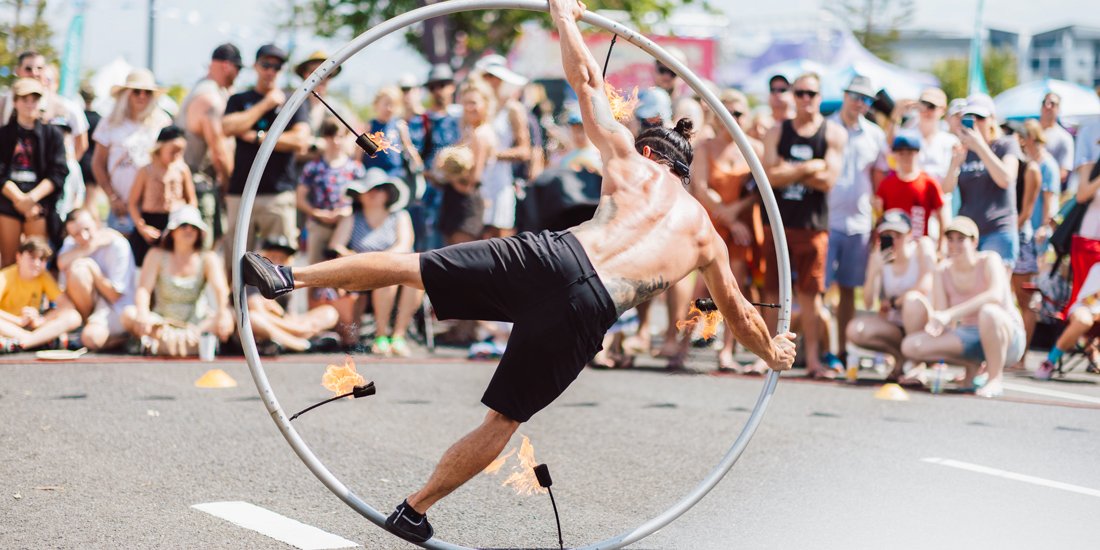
(468, 34)
(875, 23)
(999, 67)
(26, 30)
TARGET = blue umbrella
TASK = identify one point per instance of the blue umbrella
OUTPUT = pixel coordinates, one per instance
(1025, 100)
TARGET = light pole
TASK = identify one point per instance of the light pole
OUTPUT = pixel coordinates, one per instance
(149, 40)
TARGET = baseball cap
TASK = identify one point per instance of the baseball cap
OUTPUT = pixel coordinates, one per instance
(280, 243)
(440, 72)
(935, 96)
(979, 105)
(496, 65)
(228, 52)
(962, 225)
(956, 106)
(271, 50)
(906, 142)
(896, 220)
(407, 81)
(574, 117)
(27, 86)
(654, 102)
(860, 85)
(779, 77)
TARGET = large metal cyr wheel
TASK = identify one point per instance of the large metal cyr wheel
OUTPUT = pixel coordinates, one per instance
(455, 6)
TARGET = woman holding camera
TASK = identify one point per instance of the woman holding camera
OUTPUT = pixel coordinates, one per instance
(899, 273)
(983, 167)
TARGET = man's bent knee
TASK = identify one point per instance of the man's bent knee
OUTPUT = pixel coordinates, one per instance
(497, 419)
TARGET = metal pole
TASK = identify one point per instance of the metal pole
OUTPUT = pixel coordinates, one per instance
(402, 21)
(149, 39)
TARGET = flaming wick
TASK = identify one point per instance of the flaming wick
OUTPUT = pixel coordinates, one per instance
(710, 317)
(344, 381)
(362, 140)
(622, 108)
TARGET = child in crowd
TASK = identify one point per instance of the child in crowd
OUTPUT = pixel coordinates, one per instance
(910, 189)
(321, 195)
(24, 286)
(160, 187)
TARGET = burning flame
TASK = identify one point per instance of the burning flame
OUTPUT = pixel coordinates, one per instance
(622, 108)
(522, 478)
(383, 143)
(710, 320)
(342, 379)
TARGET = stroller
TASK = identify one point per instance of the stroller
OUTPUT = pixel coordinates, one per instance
(1055, 289)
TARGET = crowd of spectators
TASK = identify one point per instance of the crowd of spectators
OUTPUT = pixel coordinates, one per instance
(934, 217)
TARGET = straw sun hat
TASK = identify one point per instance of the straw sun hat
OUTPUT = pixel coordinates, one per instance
(138, 79)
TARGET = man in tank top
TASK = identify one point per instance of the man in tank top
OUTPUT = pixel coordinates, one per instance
(207, 152)
(803, 157)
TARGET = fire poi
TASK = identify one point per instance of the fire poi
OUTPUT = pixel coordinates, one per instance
(455, 6)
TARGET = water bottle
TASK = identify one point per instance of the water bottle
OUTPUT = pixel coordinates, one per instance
(851, 372)
(938, 374)
(880, 363)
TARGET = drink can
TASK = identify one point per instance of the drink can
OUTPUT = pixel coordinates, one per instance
(207, 344)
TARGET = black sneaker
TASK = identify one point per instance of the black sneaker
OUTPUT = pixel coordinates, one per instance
(272, 280)
(402, 524)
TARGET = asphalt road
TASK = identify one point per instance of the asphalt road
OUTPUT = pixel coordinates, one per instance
(112, 452)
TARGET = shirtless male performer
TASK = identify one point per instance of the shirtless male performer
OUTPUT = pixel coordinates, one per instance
(564, 289)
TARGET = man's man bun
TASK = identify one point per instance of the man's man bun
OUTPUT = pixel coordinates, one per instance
(684, 127)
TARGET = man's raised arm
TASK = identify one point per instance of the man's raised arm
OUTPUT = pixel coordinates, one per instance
(583, 73)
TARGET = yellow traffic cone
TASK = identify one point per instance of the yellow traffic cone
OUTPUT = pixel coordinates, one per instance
(891, 392)
(215, 378)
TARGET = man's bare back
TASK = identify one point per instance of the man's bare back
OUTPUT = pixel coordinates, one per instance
(648, 231)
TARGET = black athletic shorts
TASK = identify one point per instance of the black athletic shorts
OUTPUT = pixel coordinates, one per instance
(545, 284)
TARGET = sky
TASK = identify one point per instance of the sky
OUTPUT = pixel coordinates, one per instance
(187, 30)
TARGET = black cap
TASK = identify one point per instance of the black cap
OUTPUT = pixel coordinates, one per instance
(279, 243)
(228, 52)
(779, 77)
(271, 50)
(169, 133)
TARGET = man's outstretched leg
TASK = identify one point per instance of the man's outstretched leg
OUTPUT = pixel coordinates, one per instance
(359, 272)
(462, 461)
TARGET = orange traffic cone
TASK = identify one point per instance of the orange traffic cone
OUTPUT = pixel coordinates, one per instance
(891, 392)
(215, 378)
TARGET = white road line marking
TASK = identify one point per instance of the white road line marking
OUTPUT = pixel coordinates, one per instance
(1013, 476)
(1051, 393)
(268, 523)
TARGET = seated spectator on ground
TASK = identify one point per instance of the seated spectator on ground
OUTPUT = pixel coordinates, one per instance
(379, 223)
(33, 170)
(910, 189)
(321, 196)
(1083, 311)
(100, 278)
(899, 275)
(160, 187)
(24, 286)
(169, 312)
(972, 316)
(271, 323)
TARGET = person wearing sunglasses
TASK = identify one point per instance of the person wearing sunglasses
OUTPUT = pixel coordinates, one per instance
(665, 78)
(207, 153)
(780, 99)
(803, 157)
(722, 182)
(850, 220)
(936, 142)
(983, 168)
(1059, 142)
(248, 116)
(124, 142)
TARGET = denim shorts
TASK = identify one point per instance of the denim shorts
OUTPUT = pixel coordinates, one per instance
(1028, 263)
(1004, 243)
(972, 343)
(846, 261)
